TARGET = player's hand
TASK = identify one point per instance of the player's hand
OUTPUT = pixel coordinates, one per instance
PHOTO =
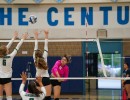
(24, 77)
(36, 34)
(46, 32)
(24, 36)
(15, 35)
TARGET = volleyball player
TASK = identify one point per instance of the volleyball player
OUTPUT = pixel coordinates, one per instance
(60, 70)
(126, 68)
(34, 93)
(124, 92)
(6, 66)
(40, 60)
(126, 83)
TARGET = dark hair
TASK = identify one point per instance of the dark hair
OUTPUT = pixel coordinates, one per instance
(68, 58)
(39, 60)
(33, 89)
(126, 64)
(3, 51)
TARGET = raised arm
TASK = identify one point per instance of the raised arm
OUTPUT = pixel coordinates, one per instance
(24, 78)
(36, 43)
(24, 36)
(45, 54)
(12, 40)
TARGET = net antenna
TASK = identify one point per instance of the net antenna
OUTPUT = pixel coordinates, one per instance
(104, 33)
(101, 56)
(101, 33)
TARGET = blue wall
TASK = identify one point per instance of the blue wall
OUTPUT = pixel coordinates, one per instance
(71, 86)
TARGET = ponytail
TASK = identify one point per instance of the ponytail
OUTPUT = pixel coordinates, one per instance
(40, 63)
(37, 61)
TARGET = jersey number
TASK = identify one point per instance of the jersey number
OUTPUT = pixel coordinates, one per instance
(4, 62)
(31, 98)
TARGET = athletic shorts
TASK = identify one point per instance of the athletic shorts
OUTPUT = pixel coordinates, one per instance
(55, 83)
(45, 81)
(5, 80)
(127, 82)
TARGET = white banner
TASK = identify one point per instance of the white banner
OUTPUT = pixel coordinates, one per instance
(67, 21)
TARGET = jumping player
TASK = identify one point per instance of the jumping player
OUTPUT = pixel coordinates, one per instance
(60, 70)
(34, 93)
(40, 60)
(6, 66)
(126, 83)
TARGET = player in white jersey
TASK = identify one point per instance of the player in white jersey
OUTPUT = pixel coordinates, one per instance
(6, 60)
(34, 93)
(40, 60)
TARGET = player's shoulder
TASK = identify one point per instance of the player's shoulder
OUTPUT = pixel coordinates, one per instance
(7, 56)
(30, 95)
(128, 71)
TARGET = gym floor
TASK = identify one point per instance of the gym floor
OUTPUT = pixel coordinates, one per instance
(92, 95)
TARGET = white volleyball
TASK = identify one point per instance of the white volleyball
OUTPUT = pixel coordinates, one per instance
(32, 19)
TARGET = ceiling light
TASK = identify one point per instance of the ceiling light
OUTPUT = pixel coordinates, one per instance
(38, 1)
(59, 1)
(9, 1)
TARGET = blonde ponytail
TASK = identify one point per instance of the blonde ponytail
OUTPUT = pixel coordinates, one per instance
(40, 63)
(37, 60)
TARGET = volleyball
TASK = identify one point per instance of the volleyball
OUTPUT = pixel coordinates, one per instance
(32, 19)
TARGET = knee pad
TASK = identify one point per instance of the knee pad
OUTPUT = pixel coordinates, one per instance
(56, 99)
(9, 97)
(1, 97)
(47, 98)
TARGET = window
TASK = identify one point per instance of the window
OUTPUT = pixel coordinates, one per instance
(113, 69)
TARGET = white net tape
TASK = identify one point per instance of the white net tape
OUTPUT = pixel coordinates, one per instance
(83, 78)
(60, 40)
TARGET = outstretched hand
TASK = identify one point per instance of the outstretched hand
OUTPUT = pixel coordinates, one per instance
(24, 77)
(36, 35)
(24, 36)
(46, 32)
(15, 35)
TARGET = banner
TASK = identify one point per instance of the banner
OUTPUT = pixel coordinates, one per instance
(67, 21)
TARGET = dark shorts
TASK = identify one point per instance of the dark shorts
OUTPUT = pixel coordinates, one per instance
(45, 81)
(55, 83)
(127, 82)
(5, 80)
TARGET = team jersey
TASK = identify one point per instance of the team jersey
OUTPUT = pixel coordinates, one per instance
(127, 75)
(30, 96)
(128, 72)
(124, 73)
(62, 70)
(41, 72)
(6, 62)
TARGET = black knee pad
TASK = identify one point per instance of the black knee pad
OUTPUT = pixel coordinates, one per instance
(47, 98)
(56, 98)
